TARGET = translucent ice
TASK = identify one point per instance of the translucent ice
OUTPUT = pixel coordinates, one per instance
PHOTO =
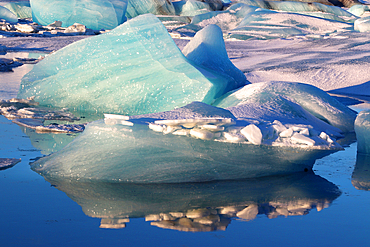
(260, 98)
(155, 7)
(134, 69)
(207, 49)
(362, 128)
(7, 15)
(20, 9)
(362, 24)
(94, 14)
(191, 8)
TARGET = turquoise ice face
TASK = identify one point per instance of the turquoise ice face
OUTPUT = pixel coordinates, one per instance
(94, 14)
(134, 69)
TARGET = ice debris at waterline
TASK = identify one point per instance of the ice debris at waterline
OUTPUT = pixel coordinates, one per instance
(194, 143)
(134, 69)
(362, 128)
(214, 207)
(6, 163)
(95, 14)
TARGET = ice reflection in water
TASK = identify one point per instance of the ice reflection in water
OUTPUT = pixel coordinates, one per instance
(199, 206)
(361, 173)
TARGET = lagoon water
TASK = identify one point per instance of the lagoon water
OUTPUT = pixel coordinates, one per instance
(326, 207)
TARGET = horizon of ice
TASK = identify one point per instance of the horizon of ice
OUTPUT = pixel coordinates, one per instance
(155, 7)
(362, 128)
(7, 15)
(94, 14)
(312, 99)
(122, 72)
(271, 24)
(197, 142)
(207, 49)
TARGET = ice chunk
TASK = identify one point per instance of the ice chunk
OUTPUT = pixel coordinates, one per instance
(134, 69)
(253, 134)
(362, 24)
(94, 14)
(155, 7)
(362, 128)
(202, 134)
(7, 15)
(299, 138)
(280, 98)
(207, 49)
(267, 24)
(6, 163)
(21, 9)
(249, 213)
(191, 8)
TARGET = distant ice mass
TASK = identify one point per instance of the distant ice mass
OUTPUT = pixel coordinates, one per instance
(94, 14)
(7, 15)
(134, 69)
(362, 128)
(155, 7)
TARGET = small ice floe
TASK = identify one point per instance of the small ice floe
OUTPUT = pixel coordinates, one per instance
(6, 163)
(38, 125)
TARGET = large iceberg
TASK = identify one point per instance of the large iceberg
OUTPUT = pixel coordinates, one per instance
(155, 7)
(194, 143)
(362, 128)
(134, 69)
(94, 14)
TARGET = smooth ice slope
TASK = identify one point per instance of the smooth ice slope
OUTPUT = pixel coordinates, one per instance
(7, 15)
(94, 14)
(362, 128)
(207, 49)
(310, 98)
(155, 7)
(133, 69)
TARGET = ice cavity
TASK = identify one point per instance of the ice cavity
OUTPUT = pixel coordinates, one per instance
(295, 100)
(213, 145)
(134, 69)
(362, 128)
(7, 15)
(94, 14)
(156, 7)
(207, 49)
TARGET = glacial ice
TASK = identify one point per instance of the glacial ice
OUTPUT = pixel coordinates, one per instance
(7, 15)
(94, 14)
(362, 24)
(191, 8)
(362, 128)
(134, 69)
(203, 153)
(6, 163)
(216, 203)
(21, 9)
(257, 99)
(155, 7)
(267, 24)
(207, 49)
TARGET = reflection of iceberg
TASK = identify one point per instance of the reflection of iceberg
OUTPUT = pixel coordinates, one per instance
(134, 69)
(362, 128)
(199, 206)
(94, 14)
(361, 173)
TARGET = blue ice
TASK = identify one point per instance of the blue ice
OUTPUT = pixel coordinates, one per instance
(7, 15)
(155, 7)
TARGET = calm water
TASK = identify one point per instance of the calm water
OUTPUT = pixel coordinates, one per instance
(329, 207)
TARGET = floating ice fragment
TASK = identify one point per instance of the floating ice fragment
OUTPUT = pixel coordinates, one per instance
(233, 137)
(94, 14)
(286, 133)
(253, 134)
(157, 127)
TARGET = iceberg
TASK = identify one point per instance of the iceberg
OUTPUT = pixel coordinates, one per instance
(362, 128)
(7, 15)
(215, 205)
(155, 7)
(187, 144)
(134, 69)
(94, 14)
(267, 24)
(21, 9)
(274, 99)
